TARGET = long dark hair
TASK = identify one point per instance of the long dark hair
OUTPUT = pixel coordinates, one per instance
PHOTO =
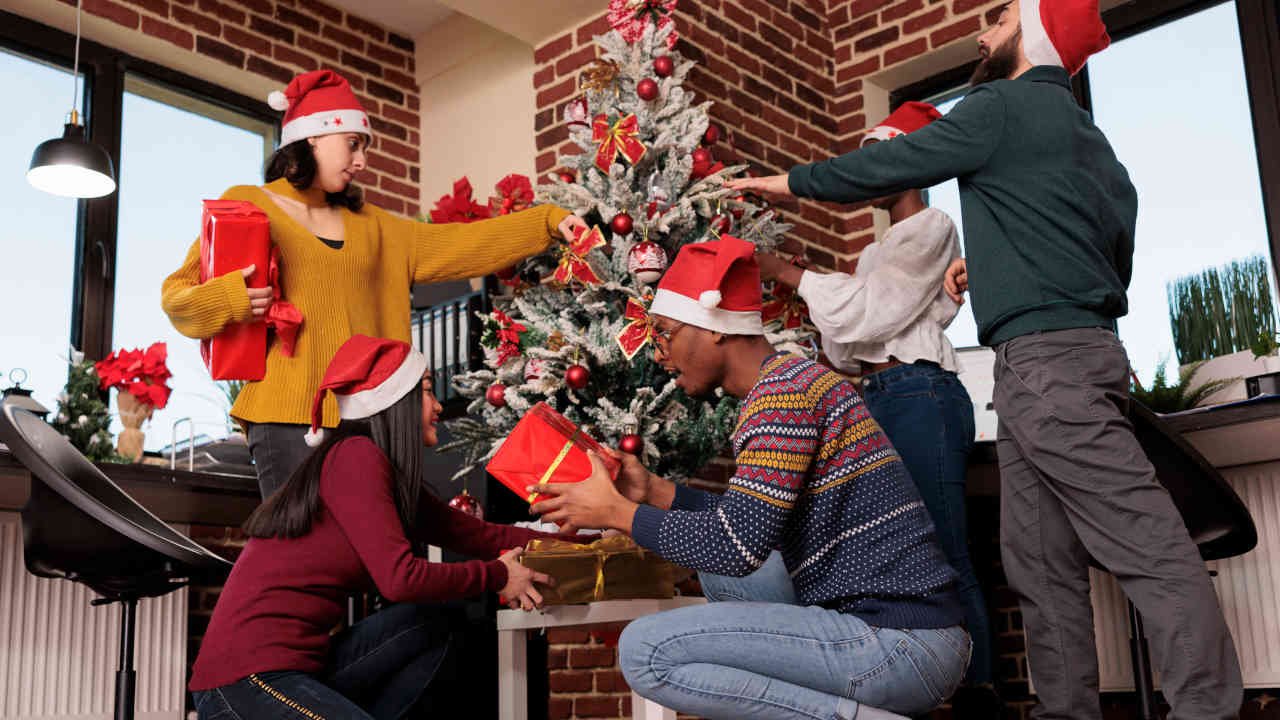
(397, 431)
(296, 162)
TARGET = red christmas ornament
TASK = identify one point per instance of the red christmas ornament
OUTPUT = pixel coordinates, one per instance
(496, 395)
(467, 503)
(567, 177)
(712, 135)
(701, 156)
(647, 89)
(577, 377)
(721, 223)
(647, 261)
(631, 444)
(622, 224)
(663, 66)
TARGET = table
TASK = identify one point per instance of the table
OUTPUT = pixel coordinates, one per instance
(513, 626)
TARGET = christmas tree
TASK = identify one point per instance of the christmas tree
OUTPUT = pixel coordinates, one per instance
(573, 331)
(82, 415)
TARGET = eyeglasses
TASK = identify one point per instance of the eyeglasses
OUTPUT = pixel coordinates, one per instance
(662, 338)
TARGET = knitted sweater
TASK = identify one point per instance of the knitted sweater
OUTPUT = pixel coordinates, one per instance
(818, 480)
(361, 288)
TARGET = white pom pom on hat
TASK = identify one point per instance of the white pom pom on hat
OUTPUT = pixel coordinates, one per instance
(278, 101)
(710, 299)
(313, 438)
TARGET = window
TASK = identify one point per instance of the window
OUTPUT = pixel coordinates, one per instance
(175, 151)
(38, 236)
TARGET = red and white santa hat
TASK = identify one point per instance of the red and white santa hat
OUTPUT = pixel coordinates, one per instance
(714, 285)
(367, 375)
(909, 117)
(1062, 33)
(319, 102)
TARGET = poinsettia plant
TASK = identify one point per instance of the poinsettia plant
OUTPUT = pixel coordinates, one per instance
(141, 373)
(460, 207)
(515, 193)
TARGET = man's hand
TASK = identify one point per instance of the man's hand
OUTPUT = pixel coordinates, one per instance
(956, 280)
(633, 479)
(770, 185)
(571, 226)
(775, 268)
(591, 503)
(259, 298)
(519, 592)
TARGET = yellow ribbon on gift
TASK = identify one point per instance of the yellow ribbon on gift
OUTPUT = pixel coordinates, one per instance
(555, 464)
(601, 548)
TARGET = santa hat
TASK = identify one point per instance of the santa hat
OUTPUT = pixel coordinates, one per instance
(319, 102)
(1062, 33)
(713, 285)
(909, 117)
(367, 375)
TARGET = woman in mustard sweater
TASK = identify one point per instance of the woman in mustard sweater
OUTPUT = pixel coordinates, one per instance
(347, 265)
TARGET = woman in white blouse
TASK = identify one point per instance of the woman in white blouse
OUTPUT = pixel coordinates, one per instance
(885, 323)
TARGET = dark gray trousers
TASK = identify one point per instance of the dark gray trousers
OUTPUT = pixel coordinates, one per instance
(1075, 484)
(277, 449)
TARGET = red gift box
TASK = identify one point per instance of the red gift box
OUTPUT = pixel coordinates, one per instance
(235, 234)
(544, 447)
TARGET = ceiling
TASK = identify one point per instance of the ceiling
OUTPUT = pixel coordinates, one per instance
(409, 18)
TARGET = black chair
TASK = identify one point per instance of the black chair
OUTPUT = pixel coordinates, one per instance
(80, 526)
(1219, 522)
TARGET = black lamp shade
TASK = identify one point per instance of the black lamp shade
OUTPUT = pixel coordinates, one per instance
(72, 167)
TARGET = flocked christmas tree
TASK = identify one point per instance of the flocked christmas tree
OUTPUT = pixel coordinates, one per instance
(82, 415)
(573, 331)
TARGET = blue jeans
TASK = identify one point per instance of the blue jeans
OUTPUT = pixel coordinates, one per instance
(928, 417)
(772, 658)
(378, 668)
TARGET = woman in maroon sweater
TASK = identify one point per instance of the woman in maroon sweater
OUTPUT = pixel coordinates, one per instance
(348, 521)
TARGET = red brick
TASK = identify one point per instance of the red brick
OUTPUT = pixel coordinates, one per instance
(404, 117)
(559, 708)
(386, 202)
(385, 92)
(865, 67)
(413, 102)
(364, 27)
(556, 93)
(875, 40)
(276, 72)
(588, 657)
(906, 51)
(789, 26)
(388, 166)
(219, 51)
(844, 54)
(806, 17)
(416, 140)
(404, 152)
(326, 12)
(855, 223)
(323, 49)
(545, 162)
(576, 61)
(112, 11)
(929, 19)
(568, 636)
(993, 14)
(361, 63)
(740, 16)
(853, 123)
(894, 13)
(856, 28)
(271, 29)
(401, 42)
(387, 56)
(159, 7)
(610, 681)
(607, 707)
(838, 16)
(247, 41)
(167, 32)
(223, 12)
(777, 38)
(557, 659)
(263, 6)
(544, 76)
(588, 32)
(759, 130)
(955, 31)
(858, 8)
(570, 681)
(961, 7)
(552, 136)
(743, 60)
(390, 129)
(346, 40)
(846, 106)
(284, 53)
(553, 49)
(197, 21)
(298, 19)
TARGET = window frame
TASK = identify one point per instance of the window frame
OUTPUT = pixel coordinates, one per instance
(104, 71)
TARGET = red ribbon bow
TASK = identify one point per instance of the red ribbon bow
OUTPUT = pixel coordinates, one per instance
(618, 138)
(638, 332)
(786, 306)
(283, 316)
(573, 263)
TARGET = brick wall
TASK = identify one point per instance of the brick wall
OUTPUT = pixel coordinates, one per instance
(277, 39)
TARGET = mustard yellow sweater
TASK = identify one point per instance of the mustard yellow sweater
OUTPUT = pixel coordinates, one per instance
(362, 288)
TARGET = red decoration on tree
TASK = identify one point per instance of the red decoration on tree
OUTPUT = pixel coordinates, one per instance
(647, 89)
(573, 262)
(631, 444)
(701, 156)
(638, 330)
(467, 503)
(721, 223)
(619, 138)
(515, 193)
(630, 17)
(647, 261)
(664, 66)
(577, 377)
(622, 224)
(786, 307)
(567, 176)
(712, 135)
(496, 395)
(460, 206)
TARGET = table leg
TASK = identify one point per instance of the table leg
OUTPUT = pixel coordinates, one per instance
(513, 680)
(642, 709)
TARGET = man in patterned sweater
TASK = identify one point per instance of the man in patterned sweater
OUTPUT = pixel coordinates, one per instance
(855, 615)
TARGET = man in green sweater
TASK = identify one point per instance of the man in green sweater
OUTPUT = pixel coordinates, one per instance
(1049, 217)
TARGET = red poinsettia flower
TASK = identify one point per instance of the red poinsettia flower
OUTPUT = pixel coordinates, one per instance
(140, 373)
(508, 336)
(515, 193)
(630, 17)
(460, 206)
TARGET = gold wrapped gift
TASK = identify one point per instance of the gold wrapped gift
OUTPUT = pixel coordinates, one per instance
(612, 568)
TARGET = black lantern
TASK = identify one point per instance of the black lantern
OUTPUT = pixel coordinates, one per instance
(20, 397)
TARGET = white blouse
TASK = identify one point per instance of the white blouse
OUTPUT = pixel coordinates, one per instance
(893, 304)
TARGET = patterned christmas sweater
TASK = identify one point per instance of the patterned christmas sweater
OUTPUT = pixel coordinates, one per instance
(818, 480)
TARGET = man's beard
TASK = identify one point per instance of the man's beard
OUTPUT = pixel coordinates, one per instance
(1000, 63)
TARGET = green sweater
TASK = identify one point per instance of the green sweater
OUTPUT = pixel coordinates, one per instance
(1049, 212)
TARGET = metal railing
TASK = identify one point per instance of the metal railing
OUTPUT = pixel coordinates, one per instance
(449, 335)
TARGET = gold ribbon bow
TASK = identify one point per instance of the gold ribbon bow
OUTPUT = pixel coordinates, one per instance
(573, 263)
(619, 138)
(638, 332)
